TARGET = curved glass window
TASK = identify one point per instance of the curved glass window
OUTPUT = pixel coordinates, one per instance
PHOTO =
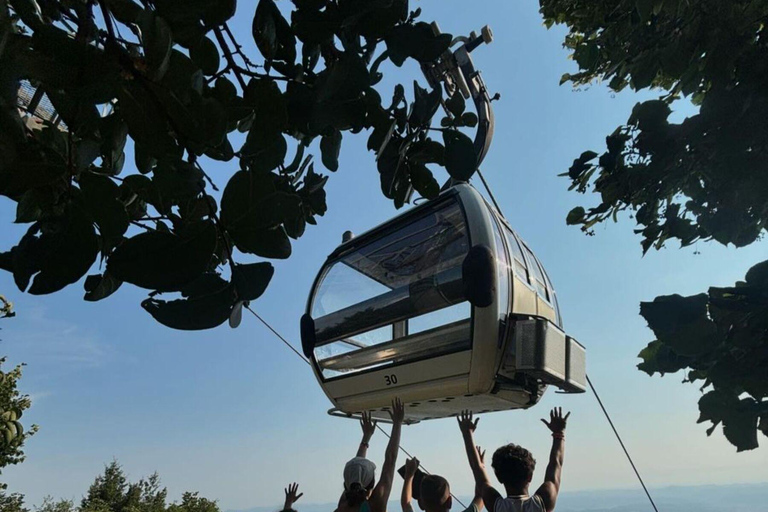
(517, 253)
(538, 274)
(389, 300)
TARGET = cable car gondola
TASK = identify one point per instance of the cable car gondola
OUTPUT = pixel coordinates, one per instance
(443, 306)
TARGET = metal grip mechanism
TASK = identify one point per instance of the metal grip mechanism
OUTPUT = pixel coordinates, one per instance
(455, 70)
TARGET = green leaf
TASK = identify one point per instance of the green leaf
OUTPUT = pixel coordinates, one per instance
(57, 252)
(469, 119)
(427, 151)
(33, 203)
(264, 149)
(758, 275)
(575, 216)
(456, 104)
(682, 323)
(146, 125)
(267, 243)
(659, 358)
(100, 286)
(207, 284)
(251, 280)
(157, 41)
(272, 33)
(206, 55)
(423, 181)
(102, 199)
(330, 147)
(251, 201)
(650, 115)
(29, 12)
(460, 156)
(124, 11)
(417, 41)
(195, 314)
(163, 261)
(644, 8)
(425, 105)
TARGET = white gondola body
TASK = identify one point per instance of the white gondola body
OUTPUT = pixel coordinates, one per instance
(444, 307)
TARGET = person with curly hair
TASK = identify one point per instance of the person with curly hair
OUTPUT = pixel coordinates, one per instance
(514, 467)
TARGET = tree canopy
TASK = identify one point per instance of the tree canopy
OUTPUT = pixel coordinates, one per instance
(12, 407)
(703, 178)
(124, 103)
(111, 491)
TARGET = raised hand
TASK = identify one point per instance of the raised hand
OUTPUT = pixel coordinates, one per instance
(398, 412)
(290, 495)
(466, 425)
(411, 466)
(481, 454)
(556, 421)
(368, 426)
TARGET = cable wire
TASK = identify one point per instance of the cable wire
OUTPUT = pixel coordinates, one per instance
(626, 452)
(592, 387)
(290, 346)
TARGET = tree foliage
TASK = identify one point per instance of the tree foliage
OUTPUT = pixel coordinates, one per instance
(168, 80)
(720, 340)
(12, 502)
(13, 435)
(51, 505)
(704, 178)
(112, 492)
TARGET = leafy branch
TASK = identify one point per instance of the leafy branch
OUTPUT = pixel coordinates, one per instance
(157, 65)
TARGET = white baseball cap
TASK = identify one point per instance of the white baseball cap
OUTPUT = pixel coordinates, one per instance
(359, 471)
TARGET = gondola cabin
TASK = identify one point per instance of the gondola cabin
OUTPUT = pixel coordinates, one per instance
(443, 306)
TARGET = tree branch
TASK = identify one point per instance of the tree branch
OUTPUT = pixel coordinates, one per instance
(229, 57)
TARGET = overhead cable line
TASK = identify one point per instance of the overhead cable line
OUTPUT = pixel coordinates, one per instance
(591, 386)
(289, 345)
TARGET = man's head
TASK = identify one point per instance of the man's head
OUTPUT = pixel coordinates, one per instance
(435, 494)
(513, 465)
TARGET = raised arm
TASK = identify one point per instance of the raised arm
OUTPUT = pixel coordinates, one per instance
(380, 494)
(369, 427)
(411, 466)
(551, 486)
(483, 487)
(477, 501)
(291, 496)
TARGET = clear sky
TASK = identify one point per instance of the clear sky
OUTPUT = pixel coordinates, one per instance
(235, 415)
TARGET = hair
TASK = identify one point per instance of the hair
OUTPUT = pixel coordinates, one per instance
(357, 494)
(513, 465)
(433, 491)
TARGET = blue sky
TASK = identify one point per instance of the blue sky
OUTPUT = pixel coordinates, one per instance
(235, 415)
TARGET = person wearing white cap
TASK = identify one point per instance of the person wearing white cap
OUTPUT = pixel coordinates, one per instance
(361, 491)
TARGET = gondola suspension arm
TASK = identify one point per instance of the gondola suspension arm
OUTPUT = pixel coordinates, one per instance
(455, 70)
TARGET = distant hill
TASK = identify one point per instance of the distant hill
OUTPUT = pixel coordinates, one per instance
(705, 498)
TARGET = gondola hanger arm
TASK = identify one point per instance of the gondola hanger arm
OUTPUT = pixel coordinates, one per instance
(455, 70)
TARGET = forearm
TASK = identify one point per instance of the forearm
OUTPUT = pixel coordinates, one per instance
(474, 459)
(362, 450)
(405, 496)
(556, 457)
(390, 455)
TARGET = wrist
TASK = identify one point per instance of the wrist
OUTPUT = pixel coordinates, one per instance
(558, 435)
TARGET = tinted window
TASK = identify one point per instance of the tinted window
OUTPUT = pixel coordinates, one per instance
(517, 253)
(538, 274)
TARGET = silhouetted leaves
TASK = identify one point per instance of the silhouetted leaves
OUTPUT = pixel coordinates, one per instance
(169, 76)
(721, 338)
(164, 261)
(460, 156)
